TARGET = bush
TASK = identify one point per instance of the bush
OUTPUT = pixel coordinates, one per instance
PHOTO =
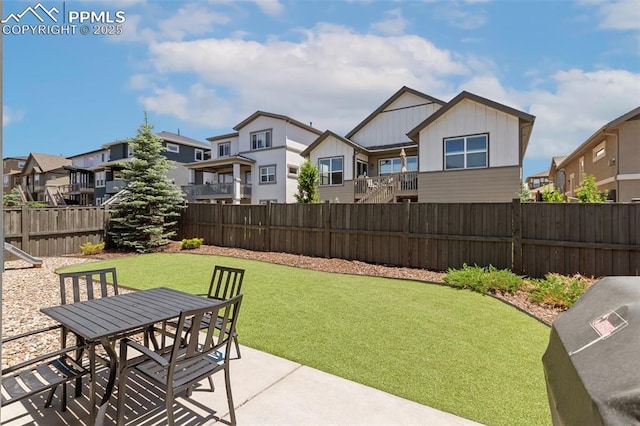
(192, 243)
(483, 280)
(89, 248)
(558, 290)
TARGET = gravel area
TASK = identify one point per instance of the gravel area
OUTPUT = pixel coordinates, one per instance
(27, 289)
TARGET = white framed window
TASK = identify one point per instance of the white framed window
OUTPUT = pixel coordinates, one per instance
(387, 166)
(36, 179)
(224, 149)
(268, 174)
(466, 152)
(261, 139)
(100, 178)
(172, 147)
(199, 154)
(331, 171)
(292, 171)
(600, 151)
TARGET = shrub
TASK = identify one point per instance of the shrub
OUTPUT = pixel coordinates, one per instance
(192, 243)
(36, 204)
(558, 290)
(483, 279)
(89, 248)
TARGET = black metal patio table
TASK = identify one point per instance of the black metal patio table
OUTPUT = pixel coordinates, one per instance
(102, 320)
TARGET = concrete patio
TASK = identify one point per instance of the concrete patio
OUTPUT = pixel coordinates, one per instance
(266, 390)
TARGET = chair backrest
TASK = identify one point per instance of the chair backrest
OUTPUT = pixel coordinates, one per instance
(186, 351)
(88, 285)
(225, 282)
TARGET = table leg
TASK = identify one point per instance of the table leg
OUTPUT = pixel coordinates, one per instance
(92, 390)
(113, 362)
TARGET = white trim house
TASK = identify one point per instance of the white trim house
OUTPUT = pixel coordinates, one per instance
(257, 163)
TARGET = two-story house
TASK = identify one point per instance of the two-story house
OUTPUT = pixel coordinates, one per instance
(423, 149)
(611, 155)
(12, 168)
(259, 162)
(43, 177)
(179, 149)
(81, 188)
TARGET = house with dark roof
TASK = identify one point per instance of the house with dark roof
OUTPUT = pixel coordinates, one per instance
(257, 163)
(420, 148)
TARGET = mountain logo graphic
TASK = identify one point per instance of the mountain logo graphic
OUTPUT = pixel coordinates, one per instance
(38, 11)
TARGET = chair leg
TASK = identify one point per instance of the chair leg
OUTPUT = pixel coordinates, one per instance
(169, 404)
(64, 396)
(227, 380)
(235, 338)
(213, 388)
(50, 397)
(122, 378)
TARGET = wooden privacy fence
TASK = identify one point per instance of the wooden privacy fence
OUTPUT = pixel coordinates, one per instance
(530, 238)
(53, 231)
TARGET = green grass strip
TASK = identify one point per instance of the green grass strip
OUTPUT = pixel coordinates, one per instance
(454, 350)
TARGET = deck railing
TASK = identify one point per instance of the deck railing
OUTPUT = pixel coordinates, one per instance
(381, 189)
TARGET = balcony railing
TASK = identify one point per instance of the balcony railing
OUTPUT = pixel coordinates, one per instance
(405, 183)
(215, 190)
(77, 187)
(114, 186)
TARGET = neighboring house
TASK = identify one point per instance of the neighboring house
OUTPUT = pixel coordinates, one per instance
(44, 178)
(12, 167)
(82, 177)
(257, 163)
(611, 154)
(417, 147)
(179, 149)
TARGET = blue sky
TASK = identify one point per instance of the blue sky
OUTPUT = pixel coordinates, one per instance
(202, 67)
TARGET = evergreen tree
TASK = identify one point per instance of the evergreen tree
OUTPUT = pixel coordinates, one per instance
(308, 184)
(146, 214)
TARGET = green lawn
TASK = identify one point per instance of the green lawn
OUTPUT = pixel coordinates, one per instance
(454, 350)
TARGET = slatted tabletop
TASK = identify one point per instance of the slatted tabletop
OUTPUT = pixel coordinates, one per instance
(115, 315)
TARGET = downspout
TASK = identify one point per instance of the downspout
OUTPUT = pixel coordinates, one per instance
(617, 160)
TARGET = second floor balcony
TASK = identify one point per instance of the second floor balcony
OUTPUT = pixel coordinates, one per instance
(214, 191)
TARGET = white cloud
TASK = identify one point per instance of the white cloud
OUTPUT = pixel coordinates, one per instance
(393, 24)
(581, 103)
(270, 7)
(192, 19)
(457, 16)
(315, 79)
(620, 15)
(199, 105)
(11, 115)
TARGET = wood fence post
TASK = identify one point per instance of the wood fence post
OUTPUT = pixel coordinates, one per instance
(26, 221)
(406, 220)
(267, 228)
(326, 241)
(516, 235)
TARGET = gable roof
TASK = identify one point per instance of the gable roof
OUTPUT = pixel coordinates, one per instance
(47, 162)
(392, 99)
(167, 137)
(633, 114)
(278, 117)
(327, 134)
(414, 133)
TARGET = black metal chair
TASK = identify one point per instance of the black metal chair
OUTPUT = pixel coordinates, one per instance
(44, 372)
(192, 356)
(226, 283)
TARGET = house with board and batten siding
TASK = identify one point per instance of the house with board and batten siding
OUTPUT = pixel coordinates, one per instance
(420, 148)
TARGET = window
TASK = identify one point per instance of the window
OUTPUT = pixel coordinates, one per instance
(362, 168)
(331, 171)
(129, 151)
(199, 154)
(394, 165)
(20, 164)
(6, 180)
(172, 147)
(292, 171)
(100, 178)
(224, 149)
(225, 177)
(600, 151)
(247, 178)
(261, 140)
(268, 174)
(467, 152)
(581, 169)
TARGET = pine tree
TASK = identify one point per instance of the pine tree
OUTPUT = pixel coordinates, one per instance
(144, 218)
(308, 184)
